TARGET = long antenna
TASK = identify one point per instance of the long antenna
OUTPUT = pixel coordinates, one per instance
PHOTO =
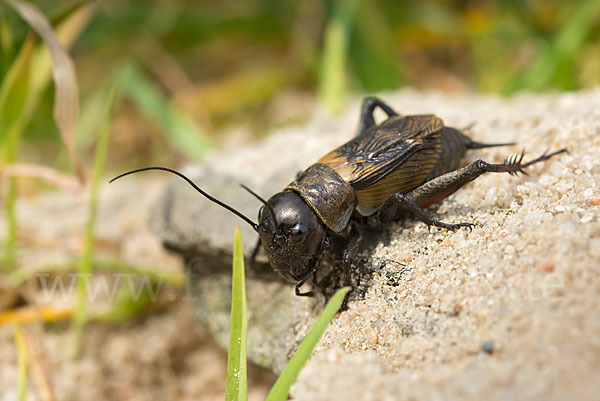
(212, 199)
(269, 208)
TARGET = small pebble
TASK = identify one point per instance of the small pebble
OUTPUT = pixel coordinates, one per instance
(488, 347)
(595, 199)
(546, 267)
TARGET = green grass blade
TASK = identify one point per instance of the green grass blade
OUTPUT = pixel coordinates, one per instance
(20, 92)
(13, 94)
(9, 258)
(237, 386)
(85, 266)
(24, 104)
(128, 303)
(6, 40)
(281, 388)
(90, 119)
(21, 362)
(66, 93)
(332, 82)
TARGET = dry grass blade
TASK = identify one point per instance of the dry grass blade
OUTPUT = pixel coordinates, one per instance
(66, 101)
(21, 362)
(48, 174)
(32, 314)
(38, 363)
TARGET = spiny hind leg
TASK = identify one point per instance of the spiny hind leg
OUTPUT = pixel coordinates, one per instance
(443, 186)
(366, 113)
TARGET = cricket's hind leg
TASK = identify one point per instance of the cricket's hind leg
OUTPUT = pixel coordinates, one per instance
(443, 186)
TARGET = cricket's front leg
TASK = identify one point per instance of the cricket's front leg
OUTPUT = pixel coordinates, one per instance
(443, 186)
(255, 251)
(350, 253)
(312, 273)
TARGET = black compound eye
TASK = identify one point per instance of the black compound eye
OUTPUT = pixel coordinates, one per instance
(265, 220)
(298, 233)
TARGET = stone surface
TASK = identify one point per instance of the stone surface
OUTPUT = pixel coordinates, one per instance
(525, 279)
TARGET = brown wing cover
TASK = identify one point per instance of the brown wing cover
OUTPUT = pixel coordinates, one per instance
(395, 156)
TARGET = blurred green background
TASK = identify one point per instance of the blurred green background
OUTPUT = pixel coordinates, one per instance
(192, 69)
